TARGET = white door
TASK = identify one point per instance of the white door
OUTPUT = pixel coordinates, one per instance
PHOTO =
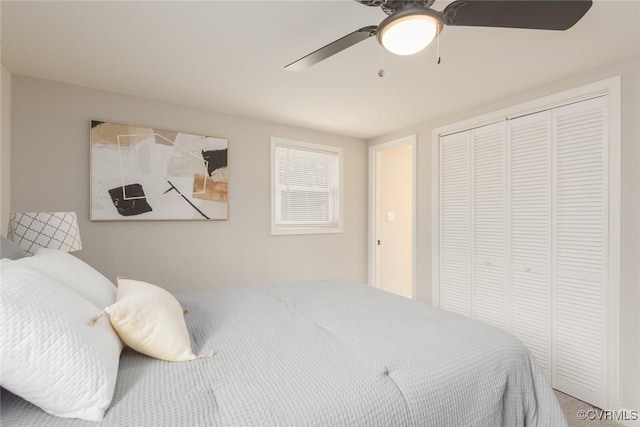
(488, 228)
(581, 239)
(530, 187)
(393, 217)
(455, 222)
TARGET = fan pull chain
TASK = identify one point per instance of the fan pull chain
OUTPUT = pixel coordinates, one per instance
(381, 70)
(438, 44)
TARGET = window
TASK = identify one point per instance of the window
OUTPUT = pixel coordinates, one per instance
(306, 188)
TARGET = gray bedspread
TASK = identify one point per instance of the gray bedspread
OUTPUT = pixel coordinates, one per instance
(325, 353)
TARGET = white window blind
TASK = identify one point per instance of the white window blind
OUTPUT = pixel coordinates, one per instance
(306, 187)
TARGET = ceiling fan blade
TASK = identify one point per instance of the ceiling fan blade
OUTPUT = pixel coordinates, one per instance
(532, 14)
(332, 48)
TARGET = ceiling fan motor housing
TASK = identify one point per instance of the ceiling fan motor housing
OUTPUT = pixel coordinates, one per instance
(391, 6)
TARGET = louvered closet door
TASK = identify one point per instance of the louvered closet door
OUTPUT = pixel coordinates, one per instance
(580, 245)
(488, 224)
(455, 220)
(530, 173)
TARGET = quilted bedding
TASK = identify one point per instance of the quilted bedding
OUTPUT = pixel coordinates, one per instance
(325, 353)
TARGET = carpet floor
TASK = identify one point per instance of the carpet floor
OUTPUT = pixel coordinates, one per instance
(571, 406)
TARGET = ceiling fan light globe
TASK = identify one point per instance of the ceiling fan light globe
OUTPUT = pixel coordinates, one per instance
(408, 31)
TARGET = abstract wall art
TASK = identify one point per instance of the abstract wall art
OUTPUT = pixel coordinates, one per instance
(141, 173)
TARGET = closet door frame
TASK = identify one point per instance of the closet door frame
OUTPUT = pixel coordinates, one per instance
(612, 89)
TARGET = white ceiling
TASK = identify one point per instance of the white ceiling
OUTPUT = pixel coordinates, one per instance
(228, 56)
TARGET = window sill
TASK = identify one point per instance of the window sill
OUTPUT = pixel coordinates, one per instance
(284, 230)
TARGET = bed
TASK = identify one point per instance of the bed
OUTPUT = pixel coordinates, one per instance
(324, 353)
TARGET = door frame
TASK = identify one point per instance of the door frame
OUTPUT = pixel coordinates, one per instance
(374, 197)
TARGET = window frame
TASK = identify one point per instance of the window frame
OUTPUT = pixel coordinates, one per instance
(336, 201)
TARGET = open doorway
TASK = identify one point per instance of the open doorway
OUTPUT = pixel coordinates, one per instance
(392, 195)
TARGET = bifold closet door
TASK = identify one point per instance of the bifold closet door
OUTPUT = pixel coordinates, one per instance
(455, 221)
(580, 247)
(473, 221)
(530, 196)
(524, 237)
(488, 183)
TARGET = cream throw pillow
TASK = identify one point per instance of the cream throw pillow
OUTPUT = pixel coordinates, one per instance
(151, 321)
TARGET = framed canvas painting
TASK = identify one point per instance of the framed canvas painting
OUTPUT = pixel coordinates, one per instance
(141, 173)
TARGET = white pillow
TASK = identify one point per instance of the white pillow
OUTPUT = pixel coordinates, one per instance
(151, 321)
(50, 354)
(73, 273)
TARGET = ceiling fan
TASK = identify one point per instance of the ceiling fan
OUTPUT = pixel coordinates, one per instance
(412, 24)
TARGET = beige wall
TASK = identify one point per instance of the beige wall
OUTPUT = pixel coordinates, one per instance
(5, 148)
(50, 171)
(630, 280)
(396, 176)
